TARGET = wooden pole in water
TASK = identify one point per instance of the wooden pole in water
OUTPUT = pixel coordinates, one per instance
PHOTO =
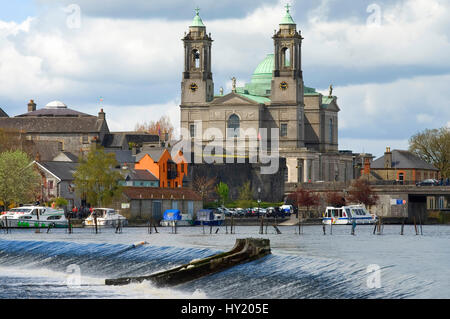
(331, 226)
(210, 227)
(69, 225)
(203, 226)
(403, 226)
(95, 223)
(420, 222)
(324, 228)
(6, 224)
(149, 227)
(232, 224)
(415, 225)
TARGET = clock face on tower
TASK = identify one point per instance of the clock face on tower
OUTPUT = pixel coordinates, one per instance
(193, 87)
(283, 85)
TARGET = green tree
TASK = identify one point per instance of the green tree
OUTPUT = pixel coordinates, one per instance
(433, 146)
(96, 178)
(223, 191)
(245, 196)
(19, 181)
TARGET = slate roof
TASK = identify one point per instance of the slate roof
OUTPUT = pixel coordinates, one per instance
(53, 124)
(121, 139)
(123, 156)
(154, 152)
(161, 193)
(60, 112)
(63, 170)
(403, 160)
(140, 175)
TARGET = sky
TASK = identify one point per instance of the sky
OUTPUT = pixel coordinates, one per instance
(388, 61)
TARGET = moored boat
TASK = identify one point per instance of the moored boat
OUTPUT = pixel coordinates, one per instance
(209, 217)
(174, 217)
(106, 217)
(346, 215)
(34, 217)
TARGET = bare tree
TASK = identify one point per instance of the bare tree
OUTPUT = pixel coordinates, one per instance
(204, 186)
(163, 125)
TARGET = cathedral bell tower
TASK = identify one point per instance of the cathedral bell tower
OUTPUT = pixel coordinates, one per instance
(197, 85)
(287, 80)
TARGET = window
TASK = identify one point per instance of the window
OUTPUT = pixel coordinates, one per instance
(233, 126)
(190, 207)
(85, 139)
(175, 204)
(192, 130)
(195, 58)
(283, 130)
(285, 57)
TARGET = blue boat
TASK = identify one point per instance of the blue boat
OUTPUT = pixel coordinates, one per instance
(174, 216)
(209, 217)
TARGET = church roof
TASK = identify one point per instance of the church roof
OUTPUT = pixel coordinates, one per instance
(30, 124)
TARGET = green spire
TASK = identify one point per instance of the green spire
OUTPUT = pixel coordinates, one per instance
(197, 20)
(287, 18)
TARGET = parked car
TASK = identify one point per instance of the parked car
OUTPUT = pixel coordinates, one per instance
(428, 182)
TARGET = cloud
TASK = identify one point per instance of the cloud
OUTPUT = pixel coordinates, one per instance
(390, 79)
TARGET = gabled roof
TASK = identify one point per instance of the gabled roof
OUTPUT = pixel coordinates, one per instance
(62, 170)
(154, 152)
(89, 124)
(239, 98)
(403, 159)
(122, 156)
(140, 175)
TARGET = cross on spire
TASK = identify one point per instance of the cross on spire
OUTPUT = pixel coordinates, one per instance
(287, 6)
(197, 10)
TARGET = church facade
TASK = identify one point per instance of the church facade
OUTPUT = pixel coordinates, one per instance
(276, 100)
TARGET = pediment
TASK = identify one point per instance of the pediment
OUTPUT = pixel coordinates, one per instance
(233, 99)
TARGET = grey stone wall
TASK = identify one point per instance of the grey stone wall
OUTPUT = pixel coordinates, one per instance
(236, 174)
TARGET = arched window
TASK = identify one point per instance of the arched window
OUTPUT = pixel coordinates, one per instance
(233, 126)
(285, 57)
(195, 59)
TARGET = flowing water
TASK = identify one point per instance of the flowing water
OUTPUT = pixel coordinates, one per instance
(310, 265)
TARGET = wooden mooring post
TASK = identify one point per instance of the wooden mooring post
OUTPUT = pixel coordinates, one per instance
(6, 225)
(420, 222)
(415, 226)
(119, 227)
(95, 224)
(353, 227)
(403, 226)
(69, 225)
(261, 226)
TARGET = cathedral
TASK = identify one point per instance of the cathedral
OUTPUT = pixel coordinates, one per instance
(306, 121)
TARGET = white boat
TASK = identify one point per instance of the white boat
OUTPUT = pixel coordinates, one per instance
(106, 217)
(34, 217)
(345, 215)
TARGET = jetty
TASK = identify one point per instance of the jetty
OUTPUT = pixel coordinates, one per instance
(244, 250)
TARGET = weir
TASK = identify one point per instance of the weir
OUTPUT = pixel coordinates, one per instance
(244, 250)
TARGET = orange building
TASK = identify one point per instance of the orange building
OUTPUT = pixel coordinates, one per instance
(159, 162)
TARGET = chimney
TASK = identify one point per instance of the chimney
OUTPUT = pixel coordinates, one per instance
(101, 115)
(31, 106)
(38, 157)
(366, 166)
(388, 158)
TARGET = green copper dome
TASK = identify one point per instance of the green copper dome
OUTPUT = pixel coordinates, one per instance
(197, 20)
